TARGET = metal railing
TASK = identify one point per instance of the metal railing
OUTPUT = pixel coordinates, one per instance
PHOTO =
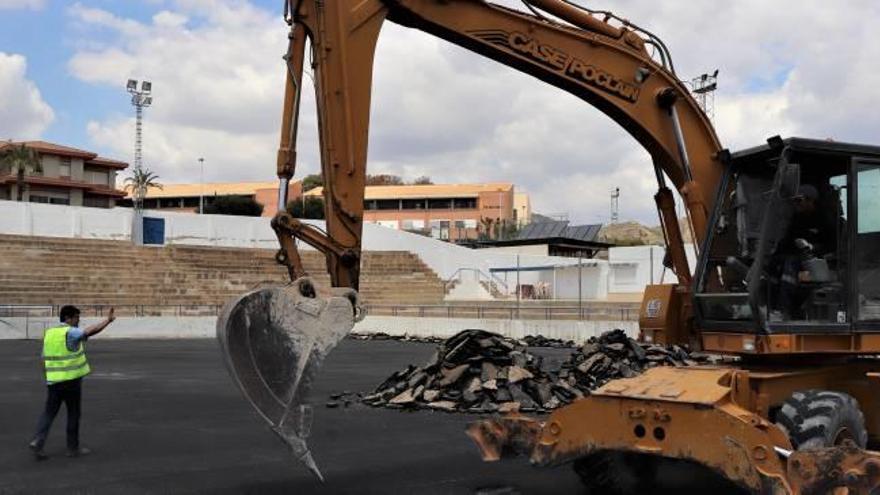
(605, 312)
(100, 310)
(493, 281)
(506, 312)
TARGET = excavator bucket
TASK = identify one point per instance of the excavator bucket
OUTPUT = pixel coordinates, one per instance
(273, 341)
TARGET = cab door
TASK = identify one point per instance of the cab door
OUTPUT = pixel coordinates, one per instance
(866, 246)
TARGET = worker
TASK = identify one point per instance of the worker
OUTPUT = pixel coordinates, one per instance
(812, 232)
(65, 364)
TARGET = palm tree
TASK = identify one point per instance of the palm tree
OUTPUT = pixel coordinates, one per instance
(139, 183)
(487, 226)
(20, 160)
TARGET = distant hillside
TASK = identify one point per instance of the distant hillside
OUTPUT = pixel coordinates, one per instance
(636, 234)
(630, 234)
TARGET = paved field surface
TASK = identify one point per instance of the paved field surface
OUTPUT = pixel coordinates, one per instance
(163, 417)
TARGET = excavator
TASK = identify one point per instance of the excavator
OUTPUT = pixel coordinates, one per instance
(786, 285)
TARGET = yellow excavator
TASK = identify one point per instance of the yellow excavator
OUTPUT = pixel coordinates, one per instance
(786, 284)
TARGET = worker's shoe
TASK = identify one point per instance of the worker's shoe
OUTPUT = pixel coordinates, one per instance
(37, 450)
(78, 452)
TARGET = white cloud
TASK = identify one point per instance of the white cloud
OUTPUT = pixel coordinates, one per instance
(23, 113)
(787, 67)
(22, 4)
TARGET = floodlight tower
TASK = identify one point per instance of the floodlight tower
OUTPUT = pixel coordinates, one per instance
(140, 99)
(615, 205)
(704, 88)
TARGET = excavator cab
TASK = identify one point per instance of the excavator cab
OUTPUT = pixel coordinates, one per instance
(794, 245)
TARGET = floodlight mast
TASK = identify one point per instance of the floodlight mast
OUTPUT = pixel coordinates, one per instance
(140, 99)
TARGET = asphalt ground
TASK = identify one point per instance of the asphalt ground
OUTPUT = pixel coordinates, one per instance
(163, 416)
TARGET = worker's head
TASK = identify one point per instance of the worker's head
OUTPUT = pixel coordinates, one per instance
(69, 315)
(805, 199)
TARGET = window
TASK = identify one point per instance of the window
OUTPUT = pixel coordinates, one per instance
(96, 201)
(64, 167)
(440, 204)
(97, 176)
(440, 229)
(54, 196)
(387, 204)
(464, 203)
(413, 204)
(868, 240)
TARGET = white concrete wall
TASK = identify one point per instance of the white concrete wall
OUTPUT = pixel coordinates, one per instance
(634, 267)
(231, 231)
(563, 281)
(205, 327)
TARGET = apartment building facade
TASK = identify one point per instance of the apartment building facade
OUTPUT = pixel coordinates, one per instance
(185, 197)
(69, 176)
(450, 212)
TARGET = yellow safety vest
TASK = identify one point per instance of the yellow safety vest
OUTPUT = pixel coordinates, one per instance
(62, 365)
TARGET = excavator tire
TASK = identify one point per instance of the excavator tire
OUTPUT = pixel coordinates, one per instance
(615, 473)
(815, 419)
(629, 473)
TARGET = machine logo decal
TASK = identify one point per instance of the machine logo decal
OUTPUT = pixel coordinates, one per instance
(652, 309)
(525, 45)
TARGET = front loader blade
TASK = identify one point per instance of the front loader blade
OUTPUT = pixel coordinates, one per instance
(273, 341)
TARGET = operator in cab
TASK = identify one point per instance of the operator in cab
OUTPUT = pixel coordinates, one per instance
(811, 234)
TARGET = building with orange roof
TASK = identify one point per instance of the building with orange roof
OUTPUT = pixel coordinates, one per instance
(69, 176)
(185, 197)
(444, 211)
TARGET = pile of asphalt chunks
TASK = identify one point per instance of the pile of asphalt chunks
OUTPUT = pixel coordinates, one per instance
(481, 372)
(613, 355)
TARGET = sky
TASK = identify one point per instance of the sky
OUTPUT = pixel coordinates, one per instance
(805, 68)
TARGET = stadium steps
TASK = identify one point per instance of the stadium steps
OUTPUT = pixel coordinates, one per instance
(46, 270)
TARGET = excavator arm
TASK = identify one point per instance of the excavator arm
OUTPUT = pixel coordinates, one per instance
(608, 67)
(275, 339)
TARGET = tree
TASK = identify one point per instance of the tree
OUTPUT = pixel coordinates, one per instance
(139, 183)
(243, 206)
(20, 160)
(314, 208)
(487, 223)
(422, 181)
(312, 181)
(384, 180)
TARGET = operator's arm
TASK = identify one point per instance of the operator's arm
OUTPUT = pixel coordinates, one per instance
(98, 327)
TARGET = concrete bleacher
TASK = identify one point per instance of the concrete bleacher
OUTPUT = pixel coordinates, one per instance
(53, 271)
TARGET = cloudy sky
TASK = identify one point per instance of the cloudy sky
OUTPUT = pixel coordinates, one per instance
(804, 67)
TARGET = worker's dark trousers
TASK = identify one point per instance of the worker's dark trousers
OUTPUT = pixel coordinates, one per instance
(70, 393)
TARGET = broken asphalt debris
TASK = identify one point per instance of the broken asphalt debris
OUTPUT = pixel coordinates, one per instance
(476, 371)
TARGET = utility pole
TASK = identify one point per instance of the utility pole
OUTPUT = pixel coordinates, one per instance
(201, 186)
(140, 99)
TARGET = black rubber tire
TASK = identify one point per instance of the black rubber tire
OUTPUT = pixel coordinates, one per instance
(815, 419)
(615, 473)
